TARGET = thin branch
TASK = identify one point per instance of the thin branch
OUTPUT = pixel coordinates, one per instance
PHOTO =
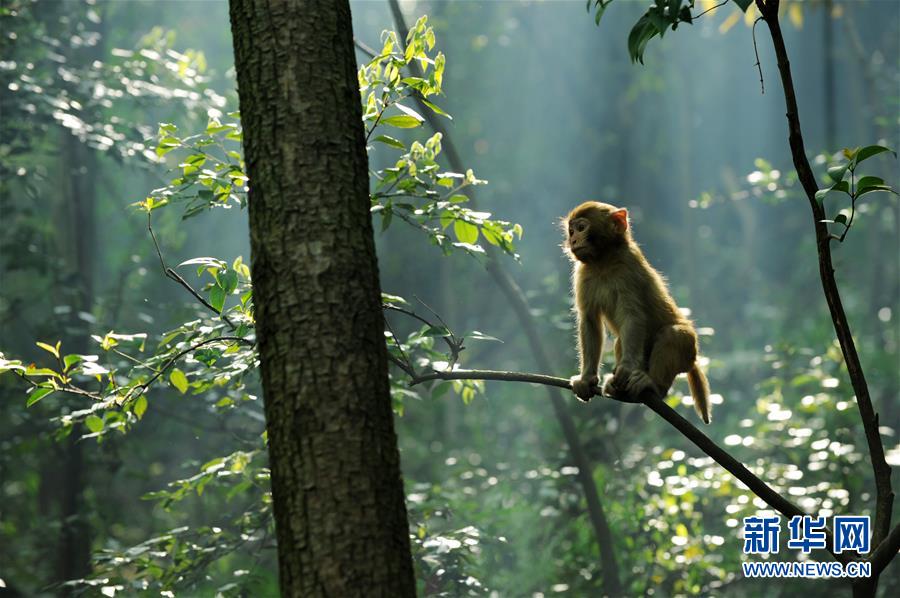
(658, 405)
(710, 9)
(884, 495)
(172, 360)
(364, 48)
(173, 275)
(409, 369)
(758, 66)
(453, 344)
(461, 374)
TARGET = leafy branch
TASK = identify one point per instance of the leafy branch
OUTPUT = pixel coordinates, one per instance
(853, 187)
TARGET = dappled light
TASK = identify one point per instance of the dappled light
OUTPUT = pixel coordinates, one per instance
(261, 336)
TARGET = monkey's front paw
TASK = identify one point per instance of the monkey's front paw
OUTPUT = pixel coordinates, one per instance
(638, 382)
(584, 388)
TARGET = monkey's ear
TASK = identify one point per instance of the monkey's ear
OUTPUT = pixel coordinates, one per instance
(620, 218)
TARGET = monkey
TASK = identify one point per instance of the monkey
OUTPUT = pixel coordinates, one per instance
(616, 287)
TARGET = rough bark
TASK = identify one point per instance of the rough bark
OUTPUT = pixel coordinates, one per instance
(338, 495)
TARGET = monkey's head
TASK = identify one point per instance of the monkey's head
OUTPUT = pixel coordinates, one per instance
(592, 229)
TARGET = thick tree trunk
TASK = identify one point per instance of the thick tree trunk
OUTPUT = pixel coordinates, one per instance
(338, 495)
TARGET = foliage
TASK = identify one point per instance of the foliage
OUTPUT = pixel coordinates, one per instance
(855, 187)
(213, 357)
(415, 188)
(663, 15)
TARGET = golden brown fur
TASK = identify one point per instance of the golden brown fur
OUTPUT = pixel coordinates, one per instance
(615, 286)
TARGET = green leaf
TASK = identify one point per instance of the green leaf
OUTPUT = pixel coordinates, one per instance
(871, 150)
(837, 172)
(465, 232)
(140, 406)
(446, 219)
(94, 423)
(436, 331)
(386, 218)
(840, 219)
(388, 298)
(402, 121)
(479, 336)
(601, 8)
(656, 17)
(875, 188)
(179, 380)
(436, 109)
(385, 139)
(842, 186)
(37, 394)
(492, 237)
(217, 298)
(743, 4)
(642, 32)
(70, 360)
(868, 181)
(48, 348)
(228, 281)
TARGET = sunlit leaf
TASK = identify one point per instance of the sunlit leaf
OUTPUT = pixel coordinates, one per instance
(37, 394)
(387, 140)
(93, 423)
(402, 121)
(140, 406)
(465, 232)
(178, 380)
(49, 348)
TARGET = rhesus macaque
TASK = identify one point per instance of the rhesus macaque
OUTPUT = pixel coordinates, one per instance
(615, 286)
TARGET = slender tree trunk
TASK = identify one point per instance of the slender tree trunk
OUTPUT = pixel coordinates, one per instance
(79, 224)
(338, 495)
(884, 494)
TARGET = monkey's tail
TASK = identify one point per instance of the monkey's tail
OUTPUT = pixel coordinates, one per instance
(700, 392)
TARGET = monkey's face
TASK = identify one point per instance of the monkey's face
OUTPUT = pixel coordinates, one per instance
(593, 228)
(578, 239)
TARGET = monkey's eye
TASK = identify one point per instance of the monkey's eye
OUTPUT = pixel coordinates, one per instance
(580, 227)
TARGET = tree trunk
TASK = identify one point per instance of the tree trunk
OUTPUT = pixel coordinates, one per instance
(338, 494)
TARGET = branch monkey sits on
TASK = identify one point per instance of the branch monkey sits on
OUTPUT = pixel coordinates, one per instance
(616, 287)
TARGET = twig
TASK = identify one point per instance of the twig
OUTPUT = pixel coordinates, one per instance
(710, 9)
(758, 66)
(449, 338)
(143, 387)
(409, 369)
(173, 275)
(456, 344)
(364, 48)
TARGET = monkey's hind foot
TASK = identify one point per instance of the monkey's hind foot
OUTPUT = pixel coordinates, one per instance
(611, 387)
(639, 382)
